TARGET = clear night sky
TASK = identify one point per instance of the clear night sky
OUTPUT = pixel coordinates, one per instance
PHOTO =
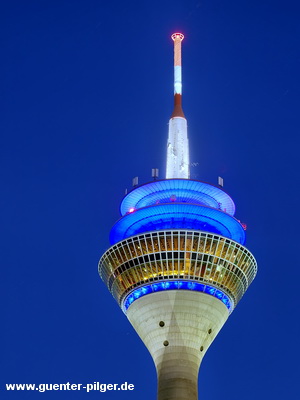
(86, 95)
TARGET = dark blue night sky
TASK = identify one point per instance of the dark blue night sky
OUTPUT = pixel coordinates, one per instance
(86, 95)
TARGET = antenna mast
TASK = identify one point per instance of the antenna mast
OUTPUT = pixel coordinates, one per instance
(177, 38)
(177, 147)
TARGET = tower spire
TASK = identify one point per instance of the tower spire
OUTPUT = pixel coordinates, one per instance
(177, 112)
(177, 147)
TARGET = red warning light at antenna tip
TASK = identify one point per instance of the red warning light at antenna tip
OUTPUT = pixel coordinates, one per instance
(179, 36)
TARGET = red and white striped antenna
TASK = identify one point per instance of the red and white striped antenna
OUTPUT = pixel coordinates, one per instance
(178, 164)
(177, 38)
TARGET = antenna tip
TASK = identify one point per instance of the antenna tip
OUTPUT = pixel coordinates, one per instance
(177, 35)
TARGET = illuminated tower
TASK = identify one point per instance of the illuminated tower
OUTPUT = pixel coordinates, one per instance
(177, 264)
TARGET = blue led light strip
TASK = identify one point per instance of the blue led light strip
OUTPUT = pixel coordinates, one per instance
(176, 285)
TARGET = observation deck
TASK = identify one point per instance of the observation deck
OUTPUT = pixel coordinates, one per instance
(177, 234)
(177, 204)
(225, 267)
(177, 190)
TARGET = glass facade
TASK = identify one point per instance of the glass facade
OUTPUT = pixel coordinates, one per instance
(173, 255)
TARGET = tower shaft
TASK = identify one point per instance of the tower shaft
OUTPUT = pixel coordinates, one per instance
(177, 327)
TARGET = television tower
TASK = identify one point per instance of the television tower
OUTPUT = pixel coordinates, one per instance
(177, 264)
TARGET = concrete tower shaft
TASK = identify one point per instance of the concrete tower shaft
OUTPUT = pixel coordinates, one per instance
(177, 327)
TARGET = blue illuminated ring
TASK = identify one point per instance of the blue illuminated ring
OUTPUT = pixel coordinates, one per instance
(183, 190)
(176, 285)
(177, 216)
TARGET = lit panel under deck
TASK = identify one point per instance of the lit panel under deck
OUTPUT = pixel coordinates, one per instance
(178, 255)
(176, 285)
(177, 216)
(177, 190)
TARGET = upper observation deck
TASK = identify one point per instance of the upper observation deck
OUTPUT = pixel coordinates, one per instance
(177, 204)
(178, 191)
